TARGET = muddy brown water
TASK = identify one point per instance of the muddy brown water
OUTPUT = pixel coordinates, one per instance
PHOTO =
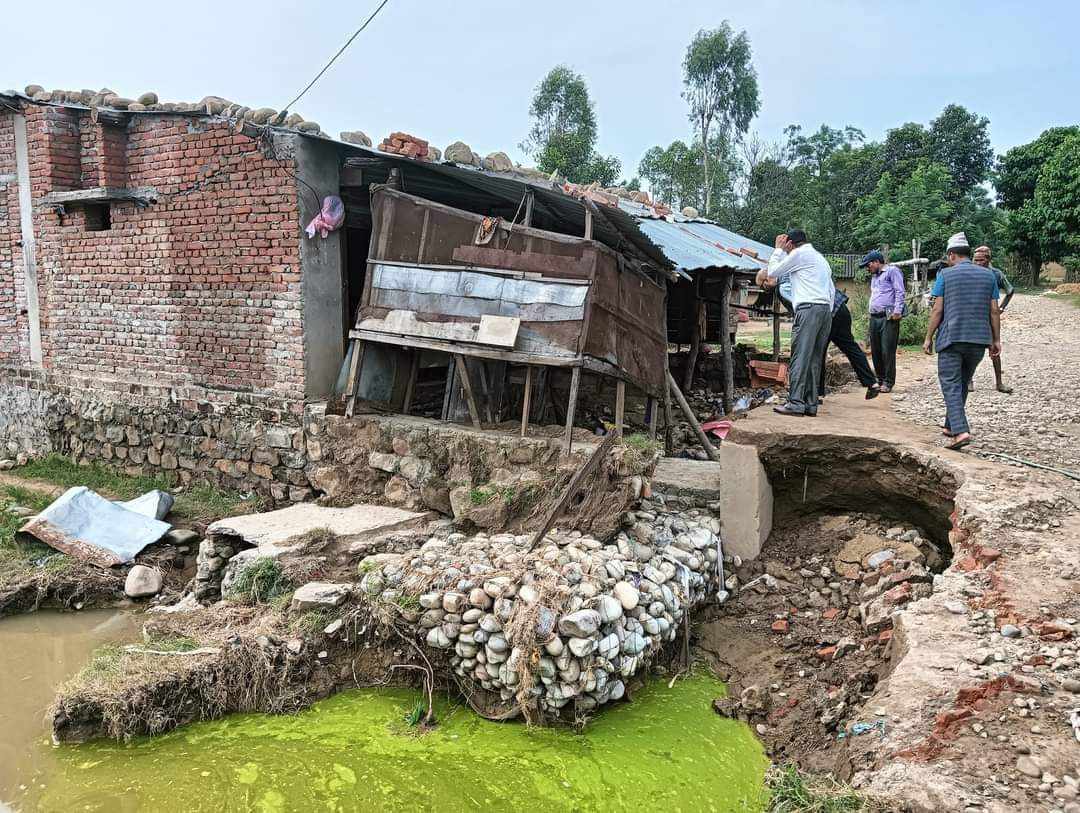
(38, 652)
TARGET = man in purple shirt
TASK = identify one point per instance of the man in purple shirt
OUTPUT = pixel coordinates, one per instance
(886, 311)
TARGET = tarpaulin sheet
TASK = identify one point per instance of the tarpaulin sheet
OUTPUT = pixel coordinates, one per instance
(85, 525)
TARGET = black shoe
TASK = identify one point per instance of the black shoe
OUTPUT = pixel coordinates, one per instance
(873, 392)
(787, 410)
(809, 414)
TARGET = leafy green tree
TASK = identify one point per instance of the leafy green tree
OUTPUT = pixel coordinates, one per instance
(563, 134)
(918, 207)
(959, 140)
(720, 85)
(1016, 180)
(1057, 201)
(903, 148)
(676, 174)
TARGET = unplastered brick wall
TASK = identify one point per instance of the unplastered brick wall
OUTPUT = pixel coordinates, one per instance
(180, 319)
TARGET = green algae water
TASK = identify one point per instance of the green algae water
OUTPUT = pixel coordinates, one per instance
(667, 750)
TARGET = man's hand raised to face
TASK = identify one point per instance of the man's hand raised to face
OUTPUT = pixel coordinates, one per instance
(782, 242)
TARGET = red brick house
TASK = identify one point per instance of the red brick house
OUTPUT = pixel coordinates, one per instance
(161, 307)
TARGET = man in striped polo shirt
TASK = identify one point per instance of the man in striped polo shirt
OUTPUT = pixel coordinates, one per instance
(967, 321)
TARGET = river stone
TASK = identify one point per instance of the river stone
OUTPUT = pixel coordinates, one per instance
(627, 595)
(528, 594)
(479, 598)
(438, 638)
(633, 644)
(320, 596)
(582, 646)
(609, 646)
(609, 608)
(454, 602)
(143, 581)
(615, 569)
(554, 647)
(472, 615)
(490, 624)
(180, 536)
(876, 560)
(653, 574)
(581, 624)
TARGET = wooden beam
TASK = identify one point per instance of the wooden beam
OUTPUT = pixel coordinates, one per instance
(725, 343)
(352, 382)
(620, 406)
(571, 407)
(588, 221)
(485, 390)
(466, 385)
(692, 419)
(651, 413)
(573, 486)
(410, 385)
(448, 394)
(525, 400)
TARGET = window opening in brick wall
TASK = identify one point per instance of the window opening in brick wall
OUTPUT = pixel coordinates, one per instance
(98, 217)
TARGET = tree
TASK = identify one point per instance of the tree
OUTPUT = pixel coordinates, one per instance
(918, 207)
(720, 85)
(563, 134)
(1057, 202)
(1017, 177)
(904, 147)
(958, 140)
(676, 174)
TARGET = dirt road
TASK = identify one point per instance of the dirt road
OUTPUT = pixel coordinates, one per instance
(1040, 421)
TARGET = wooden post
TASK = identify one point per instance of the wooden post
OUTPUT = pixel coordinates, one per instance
(620, 406)
(352, 383)
(466, 385)
(526, 399)
(776, 325)
(725, 341)
(571, 406)
(573, 486)
(692, 419)
(485, 390)
(448, 395)
(528, 207)
(700, 317)
(651, 415)
(669, 417)
(410, 386)
(588, 221)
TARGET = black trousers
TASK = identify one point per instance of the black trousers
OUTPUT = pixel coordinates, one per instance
(884, 336)
(842, 337)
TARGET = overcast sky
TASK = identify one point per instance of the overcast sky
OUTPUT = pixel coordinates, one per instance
(466, 70)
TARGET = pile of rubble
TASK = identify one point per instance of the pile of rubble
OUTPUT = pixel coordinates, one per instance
(563, 626)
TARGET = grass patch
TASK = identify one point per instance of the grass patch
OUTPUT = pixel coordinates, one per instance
(108, 482)
(312, 622)
(206, 502)
(763, 342)
(260, 582)
(791, 791)
(1072, 299)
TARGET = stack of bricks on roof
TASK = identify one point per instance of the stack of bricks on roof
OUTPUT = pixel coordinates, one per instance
(162, 310)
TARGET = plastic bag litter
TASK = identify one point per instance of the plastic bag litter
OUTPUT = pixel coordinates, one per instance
(329, 218)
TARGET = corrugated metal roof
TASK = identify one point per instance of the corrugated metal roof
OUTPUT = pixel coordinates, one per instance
(694, 245)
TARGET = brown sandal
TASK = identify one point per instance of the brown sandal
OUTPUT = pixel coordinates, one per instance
(956, 446)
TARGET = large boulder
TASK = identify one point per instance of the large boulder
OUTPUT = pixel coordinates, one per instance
(143, 581)
(461, 153)
(355, 137)
(498, 162)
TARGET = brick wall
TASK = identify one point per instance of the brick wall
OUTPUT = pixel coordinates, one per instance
(190, 306)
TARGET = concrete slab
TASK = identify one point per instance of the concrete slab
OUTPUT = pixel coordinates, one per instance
(738, 482)
(273, 531)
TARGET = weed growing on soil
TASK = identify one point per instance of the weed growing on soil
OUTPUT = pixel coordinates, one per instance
(203, 503)
(261, 581)
(311, 622)
(791, 791)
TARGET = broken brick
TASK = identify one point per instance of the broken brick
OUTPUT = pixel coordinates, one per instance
(898, 595)
(967, 564)
(884, 636)
(830, 614)
(988, 555)
(826, 653)
(780, 626)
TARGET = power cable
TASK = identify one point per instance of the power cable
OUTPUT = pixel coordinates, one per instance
(335, 56)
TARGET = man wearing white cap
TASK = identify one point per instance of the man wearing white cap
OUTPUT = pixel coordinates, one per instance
(967, 321)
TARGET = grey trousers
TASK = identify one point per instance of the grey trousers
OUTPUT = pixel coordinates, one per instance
(956, 365)
(809, 339)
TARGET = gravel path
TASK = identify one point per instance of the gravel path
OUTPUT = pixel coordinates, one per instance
(1040, 421)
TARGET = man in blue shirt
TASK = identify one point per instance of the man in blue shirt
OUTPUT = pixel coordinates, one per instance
(967, 321)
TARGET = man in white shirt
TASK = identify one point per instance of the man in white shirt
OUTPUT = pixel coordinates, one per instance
(812, 294)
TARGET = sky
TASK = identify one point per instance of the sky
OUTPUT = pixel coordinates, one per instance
(466, 70)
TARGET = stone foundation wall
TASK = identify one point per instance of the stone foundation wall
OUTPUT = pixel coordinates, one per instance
(251, 444)
(495, 480)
